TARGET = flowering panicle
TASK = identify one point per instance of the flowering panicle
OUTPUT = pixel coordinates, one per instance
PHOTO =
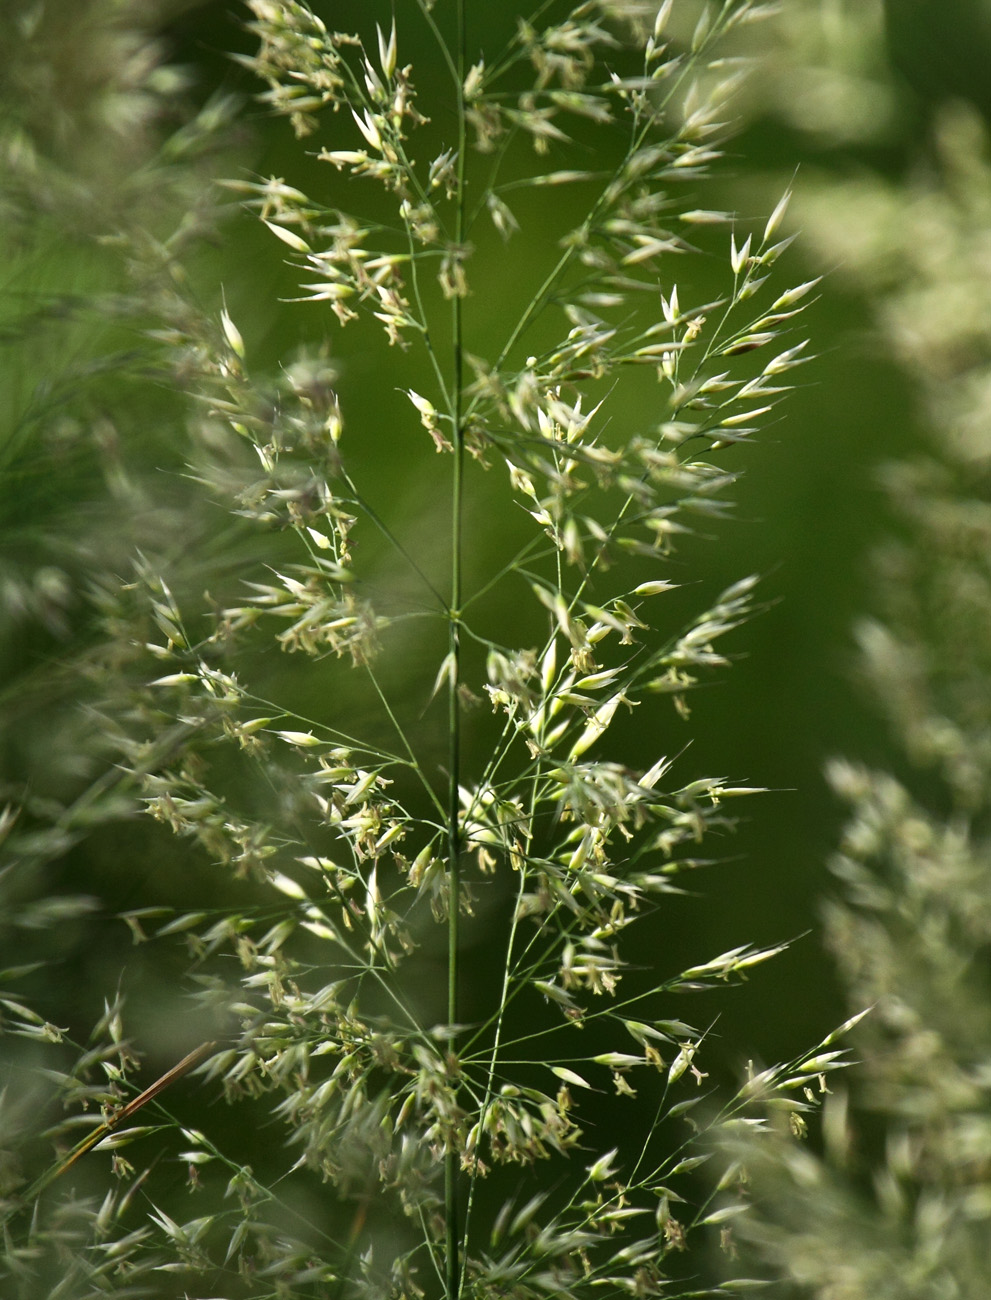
(353, 823)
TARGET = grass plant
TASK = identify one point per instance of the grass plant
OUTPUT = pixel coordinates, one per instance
(443, 778)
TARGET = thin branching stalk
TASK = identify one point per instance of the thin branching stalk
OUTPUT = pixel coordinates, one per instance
(452, 1166)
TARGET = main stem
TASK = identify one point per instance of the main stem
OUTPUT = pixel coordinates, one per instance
(452, 1165)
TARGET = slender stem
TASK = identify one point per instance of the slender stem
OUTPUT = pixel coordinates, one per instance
(387, 532)
(453, 1161)
(494, 1054)
(114, 1120)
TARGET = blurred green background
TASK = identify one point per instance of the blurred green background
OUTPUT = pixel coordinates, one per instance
(92, 457)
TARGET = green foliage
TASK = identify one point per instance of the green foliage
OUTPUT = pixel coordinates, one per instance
(367, 848)
(898, 1202)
